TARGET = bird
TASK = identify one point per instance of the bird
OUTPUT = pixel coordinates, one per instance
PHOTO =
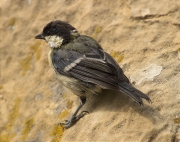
(83, 67)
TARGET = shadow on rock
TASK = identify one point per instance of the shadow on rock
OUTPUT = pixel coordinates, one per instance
(118, 102)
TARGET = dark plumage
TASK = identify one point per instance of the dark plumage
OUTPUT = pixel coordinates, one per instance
(83, 66)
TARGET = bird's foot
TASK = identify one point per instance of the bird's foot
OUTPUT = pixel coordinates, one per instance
(73, 120)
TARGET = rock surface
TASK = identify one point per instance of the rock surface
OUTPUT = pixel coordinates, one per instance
(136, 33)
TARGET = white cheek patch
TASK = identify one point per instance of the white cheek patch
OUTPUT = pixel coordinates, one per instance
(52, 44)
(54, 41)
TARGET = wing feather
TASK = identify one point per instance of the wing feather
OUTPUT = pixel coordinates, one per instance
(85, 60)
(84, 68)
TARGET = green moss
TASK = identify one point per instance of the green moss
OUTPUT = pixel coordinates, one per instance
(13, 115)
(177, 120)
(179, 49)
(69, 104)
(27, 128)
(114, 54)
(117, 56)
(36, 50)
(7, 136)
(64, 96)
(12, 22)
(57, 133)
(58, 130)
(25, 64)
(120, 58)
(64, 114)
(97, 30)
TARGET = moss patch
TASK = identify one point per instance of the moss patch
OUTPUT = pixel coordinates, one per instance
(25, 64)
(12, 22)
(120, 58)
(58, 130)
(57, 133)
(64, 96)
(27, 128)
(114, 54)
(64, 114)
(36, 50)
(177, 120)
(7, 136)
(97, 30)
(117, 56)
(179, 49)
(69, 104)
(13, 115)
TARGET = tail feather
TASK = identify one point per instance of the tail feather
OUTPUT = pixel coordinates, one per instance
(133, 92)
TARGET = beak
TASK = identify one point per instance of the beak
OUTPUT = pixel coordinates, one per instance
(40, 36)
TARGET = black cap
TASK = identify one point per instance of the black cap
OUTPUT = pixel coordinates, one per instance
(57, 28)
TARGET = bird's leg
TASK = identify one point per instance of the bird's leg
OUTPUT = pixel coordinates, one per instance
(75, 117)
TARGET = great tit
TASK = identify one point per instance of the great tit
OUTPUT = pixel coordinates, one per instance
(83, 66)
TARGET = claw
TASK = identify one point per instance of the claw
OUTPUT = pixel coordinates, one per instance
(74, 118)
(65, 124)
(84, 111)
(68, 123)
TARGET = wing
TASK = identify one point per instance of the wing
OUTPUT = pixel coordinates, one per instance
(86, 44)
(94, 67)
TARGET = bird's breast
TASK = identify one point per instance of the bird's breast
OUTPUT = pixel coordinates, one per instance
(68, 82)
(50, 59)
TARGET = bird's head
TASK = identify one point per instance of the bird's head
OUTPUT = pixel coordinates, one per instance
(57, 33)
